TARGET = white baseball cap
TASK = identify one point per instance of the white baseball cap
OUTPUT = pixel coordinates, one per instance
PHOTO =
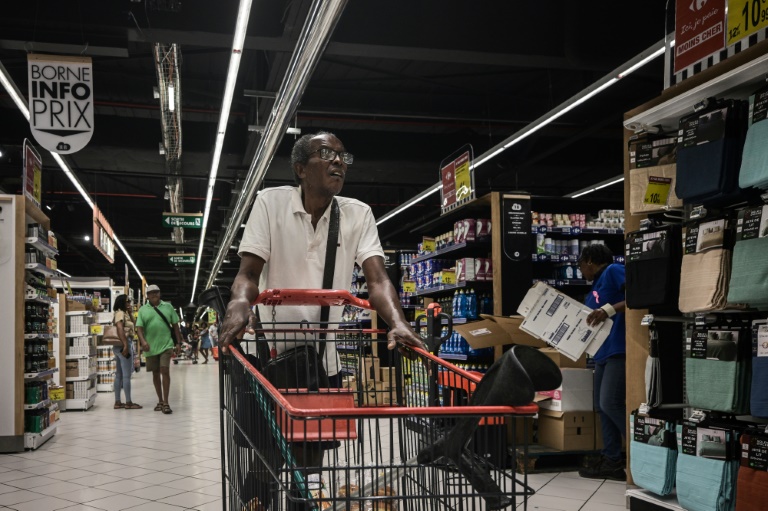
(152, 288)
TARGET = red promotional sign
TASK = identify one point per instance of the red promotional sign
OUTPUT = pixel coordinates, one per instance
(103, 238)
(699, 31)
(33, 165)
(448, 174)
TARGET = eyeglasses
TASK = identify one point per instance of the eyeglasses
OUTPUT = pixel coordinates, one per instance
(328, 154)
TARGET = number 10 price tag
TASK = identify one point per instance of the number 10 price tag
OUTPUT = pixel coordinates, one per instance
(658, 190)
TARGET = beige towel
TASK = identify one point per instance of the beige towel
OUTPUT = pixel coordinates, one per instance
(704, 281)
(638, 183)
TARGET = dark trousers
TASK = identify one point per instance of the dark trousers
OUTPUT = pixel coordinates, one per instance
(611, 403)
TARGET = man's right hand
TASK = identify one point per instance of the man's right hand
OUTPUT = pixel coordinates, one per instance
(235, 320)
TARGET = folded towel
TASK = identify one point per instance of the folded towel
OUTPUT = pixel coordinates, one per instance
(752, 484)
(749, 273)
(712, 384)
(638, 185)
(754, 160)
(759, 395)
(705, 484)
(704, 279)
(653, 465)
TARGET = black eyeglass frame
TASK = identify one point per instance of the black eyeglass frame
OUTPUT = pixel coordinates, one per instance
(330, 155)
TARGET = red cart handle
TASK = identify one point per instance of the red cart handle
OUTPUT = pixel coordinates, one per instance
(319, 297)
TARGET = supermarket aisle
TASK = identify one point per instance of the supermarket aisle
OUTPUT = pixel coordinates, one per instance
(142, 460)
(109, 460)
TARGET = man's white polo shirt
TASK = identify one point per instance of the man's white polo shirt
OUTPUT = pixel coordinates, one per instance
(280, 232)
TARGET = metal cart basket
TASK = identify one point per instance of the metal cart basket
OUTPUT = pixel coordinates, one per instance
(412, 440)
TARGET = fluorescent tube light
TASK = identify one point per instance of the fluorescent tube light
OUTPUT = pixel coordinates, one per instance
(241, 26)
(611, 78)
(597, 186)
(64, 273)
(171, 98)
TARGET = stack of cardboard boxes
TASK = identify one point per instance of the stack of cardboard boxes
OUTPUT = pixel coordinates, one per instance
(376, 383)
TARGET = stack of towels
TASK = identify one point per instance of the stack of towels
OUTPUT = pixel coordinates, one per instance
(653, 263)
(754, 160)
(752, 483)
(654, 455)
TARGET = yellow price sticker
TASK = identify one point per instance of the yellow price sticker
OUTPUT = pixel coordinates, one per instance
(658, 190)
(409, 286)
(745, 17)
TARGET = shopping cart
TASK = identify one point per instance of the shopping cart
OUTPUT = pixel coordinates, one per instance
(369, 446)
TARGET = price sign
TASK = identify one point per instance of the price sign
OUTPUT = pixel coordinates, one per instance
(745, 17)
(409, 286)
(657, 191)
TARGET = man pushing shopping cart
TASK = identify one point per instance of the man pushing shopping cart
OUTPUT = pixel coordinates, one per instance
(307, 237)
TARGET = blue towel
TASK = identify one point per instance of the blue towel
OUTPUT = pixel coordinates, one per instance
(759, 398)
(653, 466)
(705, 484)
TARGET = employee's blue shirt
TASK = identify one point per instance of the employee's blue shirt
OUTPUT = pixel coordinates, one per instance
(609, 288)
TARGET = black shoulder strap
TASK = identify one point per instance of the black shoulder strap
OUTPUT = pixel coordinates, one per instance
(330, 263)
(165, 320)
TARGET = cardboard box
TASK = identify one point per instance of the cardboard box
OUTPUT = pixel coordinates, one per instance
(479, 268)
(523, 430)
(562, 361)
(388, 376)
(561, 322)
(370, 369)
(74, 306)
(482, 228)
(70, 394)
(567, 431)
(575, 394)
(496, 331)
(57, 393)
(464, 230)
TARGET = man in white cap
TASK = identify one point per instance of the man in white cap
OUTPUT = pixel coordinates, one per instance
(158, 330)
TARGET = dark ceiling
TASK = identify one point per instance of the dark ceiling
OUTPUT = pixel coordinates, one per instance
(402, 83)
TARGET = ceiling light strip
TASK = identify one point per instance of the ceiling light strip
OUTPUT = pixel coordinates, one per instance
(319, 25)
(595, 187)
(238, 41)
(17, 98)
(606, 81)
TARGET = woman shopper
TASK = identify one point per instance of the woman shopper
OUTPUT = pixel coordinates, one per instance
(205, 341)
(124, 353)
(606, 298)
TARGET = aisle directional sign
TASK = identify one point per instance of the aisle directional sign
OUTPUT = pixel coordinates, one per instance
(180, 259)
(187, 220)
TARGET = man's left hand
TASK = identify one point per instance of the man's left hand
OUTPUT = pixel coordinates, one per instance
(404, 334)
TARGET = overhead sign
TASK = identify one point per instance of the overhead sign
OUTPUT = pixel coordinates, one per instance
(745, 17)
(456, 179)
(182, 259)
(33, 166)
(103, 236)
(60, 101)
(186, 220)
(699, 31)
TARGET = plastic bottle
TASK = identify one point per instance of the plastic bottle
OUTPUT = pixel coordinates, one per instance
(471, 304)
(462, 304)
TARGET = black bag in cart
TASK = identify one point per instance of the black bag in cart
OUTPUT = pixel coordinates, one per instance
(299, 368)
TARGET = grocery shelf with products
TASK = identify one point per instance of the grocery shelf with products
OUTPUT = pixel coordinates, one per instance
(81, 365)
(29, 311)
(699, 204)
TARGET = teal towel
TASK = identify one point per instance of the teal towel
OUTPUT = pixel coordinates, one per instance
(712, 384)
(705, 484)
(754, 160)
(749, 272)
(653, 467)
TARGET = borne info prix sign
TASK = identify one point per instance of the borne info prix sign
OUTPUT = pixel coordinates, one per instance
(186, 220)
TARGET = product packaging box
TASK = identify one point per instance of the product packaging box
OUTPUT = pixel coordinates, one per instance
(57, 393)
(464, 230)
(465, 269)
(561, 322)
(567, 431)
(482, 228)
(575, 394)
(496, 331)
(388, 377)
(73, 306)
(564, 362)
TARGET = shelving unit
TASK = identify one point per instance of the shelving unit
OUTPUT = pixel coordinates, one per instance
(736, 77)
(28, 313)
(81, 361)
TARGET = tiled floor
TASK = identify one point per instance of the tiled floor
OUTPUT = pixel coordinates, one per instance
(142, 460)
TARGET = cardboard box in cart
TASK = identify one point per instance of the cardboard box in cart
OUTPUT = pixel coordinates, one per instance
(496, 331)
